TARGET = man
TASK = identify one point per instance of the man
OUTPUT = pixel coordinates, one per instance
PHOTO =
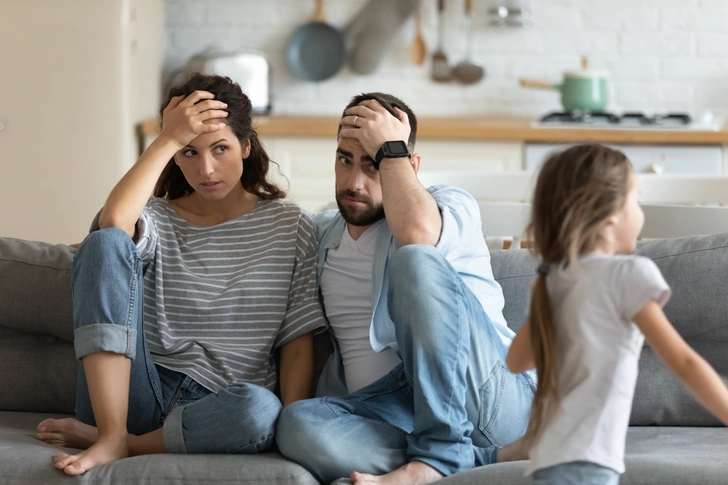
(420, 339)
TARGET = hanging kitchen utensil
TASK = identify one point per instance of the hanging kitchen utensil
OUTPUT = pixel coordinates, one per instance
(583, 90)
(440, 67)
(419, 48)
(467, 72)
(315, 51)
(373, 29)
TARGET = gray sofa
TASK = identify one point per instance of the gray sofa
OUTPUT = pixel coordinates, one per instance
(673, 440)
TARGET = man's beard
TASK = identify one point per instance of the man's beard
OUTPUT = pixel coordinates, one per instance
(359, 217)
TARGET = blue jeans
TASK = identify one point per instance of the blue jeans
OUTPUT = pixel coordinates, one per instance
(451, 403)
(108, 316)
(576, 473)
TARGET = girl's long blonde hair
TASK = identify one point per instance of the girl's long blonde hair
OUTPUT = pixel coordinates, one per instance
(576, 191)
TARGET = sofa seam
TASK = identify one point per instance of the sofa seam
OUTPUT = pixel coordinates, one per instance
(34, 264)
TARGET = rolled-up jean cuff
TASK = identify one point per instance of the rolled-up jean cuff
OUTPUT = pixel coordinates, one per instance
(172, 433)
(104, 337)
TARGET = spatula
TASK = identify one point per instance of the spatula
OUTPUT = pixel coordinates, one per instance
(440, 67)
(467, 72)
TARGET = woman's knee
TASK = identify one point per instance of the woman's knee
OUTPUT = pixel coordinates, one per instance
(253, 412)
(105, 240)
(102, 251)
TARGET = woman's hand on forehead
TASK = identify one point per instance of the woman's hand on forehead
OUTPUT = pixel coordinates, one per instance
(185, 118)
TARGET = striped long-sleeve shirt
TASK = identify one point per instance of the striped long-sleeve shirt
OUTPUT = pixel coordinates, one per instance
(218, 300)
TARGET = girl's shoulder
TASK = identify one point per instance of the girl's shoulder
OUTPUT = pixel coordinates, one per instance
(633, 265)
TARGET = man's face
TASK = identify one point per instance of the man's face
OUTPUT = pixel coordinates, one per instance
(358, 189)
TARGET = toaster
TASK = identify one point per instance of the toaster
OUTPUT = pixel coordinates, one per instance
(250, 69)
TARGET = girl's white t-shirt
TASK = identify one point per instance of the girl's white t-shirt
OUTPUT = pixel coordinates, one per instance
(598, 352)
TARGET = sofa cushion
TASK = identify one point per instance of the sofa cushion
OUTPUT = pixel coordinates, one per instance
(654, 456)
(696, 268)
(26, 460)
(35, 281)
(37, 373)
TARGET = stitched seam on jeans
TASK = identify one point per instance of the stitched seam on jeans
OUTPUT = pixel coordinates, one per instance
(268, 437)
(397, 385)
(177, 394)
(130, 313)
(499, 400)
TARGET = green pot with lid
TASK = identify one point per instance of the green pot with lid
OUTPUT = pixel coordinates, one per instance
(581, 90)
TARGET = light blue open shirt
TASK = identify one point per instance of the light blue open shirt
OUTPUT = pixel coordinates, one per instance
(461, 242)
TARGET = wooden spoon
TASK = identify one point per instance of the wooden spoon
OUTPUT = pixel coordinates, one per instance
(419, 48)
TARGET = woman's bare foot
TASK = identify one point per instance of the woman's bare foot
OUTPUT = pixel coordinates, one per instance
(106, 449)
(67, 432)
(413, 473)
(514, 452)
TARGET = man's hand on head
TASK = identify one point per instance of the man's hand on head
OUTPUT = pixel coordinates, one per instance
(371, 124)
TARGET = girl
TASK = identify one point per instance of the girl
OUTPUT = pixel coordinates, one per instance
(181, 299)
(580, 336)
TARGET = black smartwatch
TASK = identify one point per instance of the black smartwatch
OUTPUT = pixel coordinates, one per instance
(391, 149)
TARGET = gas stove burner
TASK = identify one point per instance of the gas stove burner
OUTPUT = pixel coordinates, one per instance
(606, 118)
(584, 117)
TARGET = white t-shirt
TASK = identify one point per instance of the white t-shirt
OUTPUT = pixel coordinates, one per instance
(598, 348)
(346, 285)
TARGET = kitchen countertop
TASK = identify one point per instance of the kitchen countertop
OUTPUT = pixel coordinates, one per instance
(484, 129)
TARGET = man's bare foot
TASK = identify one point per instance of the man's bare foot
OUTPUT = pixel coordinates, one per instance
(106, 449)
(67, 432)
(413, 473)
(514, 452)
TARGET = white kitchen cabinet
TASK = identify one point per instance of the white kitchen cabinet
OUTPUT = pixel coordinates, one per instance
(667, 159)
(308, 163)
(77, 76)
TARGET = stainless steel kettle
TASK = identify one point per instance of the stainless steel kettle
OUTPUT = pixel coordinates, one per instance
(250, 69)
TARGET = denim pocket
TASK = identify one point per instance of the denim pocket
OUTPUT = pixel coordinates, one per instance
(505, 406)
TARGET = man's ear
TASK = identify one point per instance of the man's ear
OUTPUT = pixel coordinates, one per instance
(415, 161)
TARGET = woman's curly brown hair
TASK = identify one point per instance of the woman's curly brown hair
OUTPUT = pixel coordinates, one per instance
(172, 183)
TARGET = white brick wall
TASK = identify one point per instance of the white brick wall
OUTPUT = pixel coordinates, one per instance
(663, 55)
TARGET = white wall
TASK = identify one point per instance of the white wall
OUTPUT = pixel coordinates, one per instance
(664, 55)
(79, 75)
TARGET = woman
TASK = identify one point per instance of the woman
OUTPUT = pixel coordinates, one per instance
(181, 299)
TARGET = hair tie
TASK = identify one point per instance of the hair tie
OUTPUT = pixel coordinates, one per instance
(543, 269)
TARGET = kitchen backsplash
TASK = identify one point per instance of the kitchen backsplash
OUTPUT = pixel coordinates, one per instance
(662, 55)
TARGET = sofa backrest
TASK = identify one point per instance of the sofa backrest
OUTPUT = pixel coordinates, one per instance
(696, 268)
(37, 360)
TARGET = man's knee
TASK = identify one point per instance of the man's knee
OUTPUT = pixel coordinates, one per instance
(412, 267)
(296, 434)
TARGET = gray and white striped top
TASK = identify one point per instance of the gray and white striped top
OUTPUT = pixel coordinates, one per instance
(218, 300)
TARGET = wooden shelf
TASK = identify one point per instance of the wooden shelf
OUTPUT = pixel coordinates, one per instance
(482, 129)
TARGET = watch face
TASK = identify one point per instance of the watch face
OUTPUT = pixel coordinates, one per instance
(396, 149)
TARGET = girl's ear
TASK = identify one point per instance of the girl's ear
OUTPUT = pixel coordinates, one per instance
(612, 220)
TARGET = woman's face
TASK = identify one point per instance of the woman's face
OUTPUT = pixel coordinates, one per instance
(212, 163)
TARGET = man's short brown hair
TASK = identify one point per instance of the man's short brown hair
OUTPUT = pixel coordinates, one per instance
(389, 102)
